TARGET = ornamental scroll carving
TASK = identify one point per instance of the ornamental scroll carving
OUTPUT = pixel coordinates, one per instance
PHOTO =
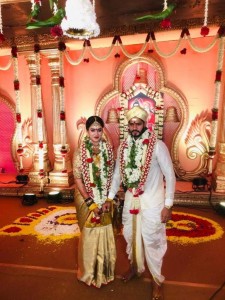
(197, 143)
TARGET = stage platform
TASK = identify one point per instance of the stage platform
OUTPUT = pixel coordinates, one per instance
(185, 195)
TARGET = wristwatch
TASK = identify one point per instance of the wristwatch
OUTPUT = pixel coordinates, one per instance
(168, 206)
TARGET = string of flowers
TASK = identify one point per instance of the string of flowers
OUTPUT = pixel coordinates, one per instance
(20, 150)
(2, 37)
(39, 117)
(135, 161)
(97, 180)
(150, 38)
(214, 124)
(64, 150)
(205, 29)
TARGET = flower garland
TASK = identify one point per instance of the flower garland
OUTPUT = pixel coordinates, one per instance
(205, 29)
(135, 161)
(39, 117)
(64, 150)
(213, 137)
(20, 150)
(97, 171)
(150, 38)
(2, 37)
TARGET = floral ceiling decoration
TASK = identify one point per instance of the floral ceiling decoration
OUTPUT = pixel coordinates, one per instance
(76, 20)
(55, 224)
(80, 21)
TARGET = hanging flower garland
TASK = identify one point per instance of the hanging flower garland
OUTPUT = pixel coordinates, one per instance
(39, 117)
(150, 38)
(20, 150)
(205, 29)
(64, 150)
(214, 125)
(2, 37)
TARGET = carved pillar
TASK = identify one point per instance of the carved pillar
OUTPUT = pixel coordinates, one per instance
(219, 174)
(34, 174)
(58, 176)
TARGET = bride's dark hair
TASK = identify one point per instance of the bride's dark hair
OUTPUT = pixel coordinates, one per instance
(93, 119)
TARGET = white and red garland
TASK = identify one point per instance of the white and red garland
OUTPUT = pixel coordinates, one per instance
(205, 29)
(98, 192)
(39, 117)
(135, 181)
(20, 150)
(64, 150)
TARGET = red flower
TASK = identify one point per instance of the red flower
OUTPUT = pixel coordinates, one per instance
(56, 31)
(41, 173)
(20, 149)
(2, 38)
(38, 79)
(108, 162)
(18, 118)
(214, 114)
(218, 75)
(41, 145)
(61, 81)
(16, 85)
(61, 46)
(221, 31)
(63, 151)
(92, 184)
(183, 51)
(166, 23)
(134, 211)
(89, 160)
(119, 108)
(14, 51)
(95, 220)
(39, 113)
(12, 229)
(25, 220)
(36, 48)
(204, 30)
(62, 116)
(145, 142)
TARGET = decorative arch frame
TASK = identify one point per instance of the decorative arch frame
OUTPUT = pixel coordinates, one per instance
(162, 87)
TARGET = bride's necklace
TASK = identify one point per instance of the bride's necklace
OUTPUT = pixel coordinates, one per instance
(96, 149)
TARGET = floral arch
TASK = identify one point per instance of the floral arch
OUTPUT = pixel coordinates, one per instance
(142, 81)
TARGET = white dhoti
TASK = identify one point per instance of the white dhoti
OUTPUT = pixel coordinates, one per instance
(146, 238)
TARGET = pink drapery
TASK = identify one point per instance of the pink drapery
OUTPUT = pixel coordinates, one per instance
(7, 128)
